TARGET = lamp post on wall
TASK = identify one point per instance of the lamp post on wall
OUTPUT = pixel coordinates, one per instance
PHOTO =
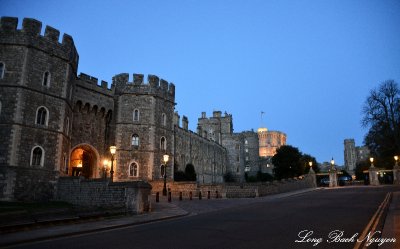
(371, 159)
(165, 158)
(113, 149)
(311, 169)
(396, 171)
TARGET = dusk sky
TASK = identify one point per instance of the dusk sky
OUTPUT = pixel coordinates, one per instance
(309, 65)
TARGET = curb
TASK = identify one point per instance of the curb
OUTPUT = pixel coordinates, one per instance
(91, 230)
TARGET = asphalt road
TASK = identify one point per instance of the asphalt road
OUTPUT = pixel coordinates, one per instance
(272, 224)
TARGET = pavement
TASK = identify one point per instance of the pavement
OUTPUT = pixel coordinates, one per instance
(164, 210)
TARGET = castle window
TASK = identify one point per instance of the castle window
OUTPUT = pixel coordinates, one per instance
(41, 116)
(133, 170)
(163, 119)
(37, 156)
(136, 115)
(246, 142)
(2, 69)
(135, 140)
(163, 143)
(46, 79)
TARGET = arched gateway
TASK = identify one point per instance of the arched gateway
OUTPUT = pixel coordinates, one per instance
(84, 161)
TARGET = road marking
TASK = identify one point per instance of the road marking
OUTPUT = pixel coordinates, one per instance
(373, 222)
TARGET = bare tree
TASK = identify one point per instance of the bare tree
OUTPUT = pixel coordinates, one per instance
(382, 115)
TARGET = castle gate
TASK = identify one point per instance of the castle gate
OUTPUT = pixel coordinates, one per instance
(83, 161)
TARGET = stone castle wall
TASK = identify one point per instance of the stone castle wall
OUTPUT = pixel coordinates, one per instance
(129, 196)
(208, 158)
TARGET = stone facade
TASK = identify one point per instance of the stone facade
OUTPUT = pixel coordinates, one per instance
(242, 147)
(55, 123)
(354, 154)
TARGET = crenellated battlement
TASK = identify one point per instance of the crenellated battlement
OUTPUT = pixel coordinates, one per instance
(153, 86)
(93, 83)
(30, 35)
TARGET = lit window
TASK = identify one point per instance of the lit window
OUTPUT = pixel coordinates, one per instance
(163, 143)
(133, 170)
(164, 119)
(37, 156)
(46, 79)
(135, 140)
(136, 115)
(2, 69)
(41, 116)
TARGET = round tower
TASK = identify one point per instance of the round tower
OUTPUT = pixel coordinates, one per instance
(144, 127)
(35, 93)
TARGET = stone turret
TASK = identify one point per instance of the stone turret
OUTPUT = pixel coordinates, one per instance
(30, 36)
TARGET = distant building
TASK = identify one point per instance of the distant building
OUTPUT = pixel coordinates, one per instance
(269, 142)
(354, 154)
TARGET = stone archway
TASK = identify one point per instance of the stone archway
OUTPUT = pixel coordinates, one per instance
(84, 161)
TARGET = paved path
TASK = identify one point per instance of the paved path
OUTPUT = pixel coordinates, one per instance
(164, 210)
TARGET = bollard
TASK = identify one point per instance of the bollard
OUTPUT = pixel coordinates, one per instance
(199, 195)
(157, 197)
(216, 194)
(190, 195)
(208, 195)
(180, 196)
(169, 196)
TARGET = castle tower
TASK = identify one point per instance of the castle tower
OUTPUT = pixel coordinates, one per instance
(350, 156)
(270, 141)
(36, 74)
(144, 127)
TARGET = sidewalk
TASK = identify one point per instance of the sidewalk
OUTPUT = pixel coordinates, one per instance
(391, 227)
(164, 210)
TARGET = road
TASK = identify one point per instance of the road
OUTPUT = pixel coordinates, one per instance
(273, 223)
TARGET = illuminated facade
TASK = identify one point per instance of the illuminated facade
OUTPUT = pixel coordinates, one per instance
(270, 141)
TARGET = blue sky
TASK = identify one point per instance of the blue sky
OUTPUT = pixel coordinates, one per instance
(309, 65)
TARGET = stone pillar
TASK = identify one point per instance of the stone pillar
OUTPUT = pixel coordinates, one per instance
(373, 176)
(332, 178)
(396, 174)
(313, 177)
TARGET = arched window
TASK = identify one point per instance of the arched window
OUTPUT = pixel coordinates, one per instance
(46, 79)
(37, 156)
(163, 143)
(163, 119)
(162, 170)
(134, 170)
(136, 115)
(135, 140)
(42, 116)
(2, 69)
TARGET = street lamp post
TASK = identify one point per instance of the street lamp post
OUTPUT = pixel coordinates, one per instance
(165, 158)
(113, 149)
(396, 158)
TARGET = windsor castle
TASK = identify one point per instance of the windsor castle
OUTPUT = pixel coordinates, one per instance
(54, 122)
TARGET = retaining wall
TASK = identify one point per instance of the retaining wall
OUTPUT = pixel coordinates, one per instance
(98, 193)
